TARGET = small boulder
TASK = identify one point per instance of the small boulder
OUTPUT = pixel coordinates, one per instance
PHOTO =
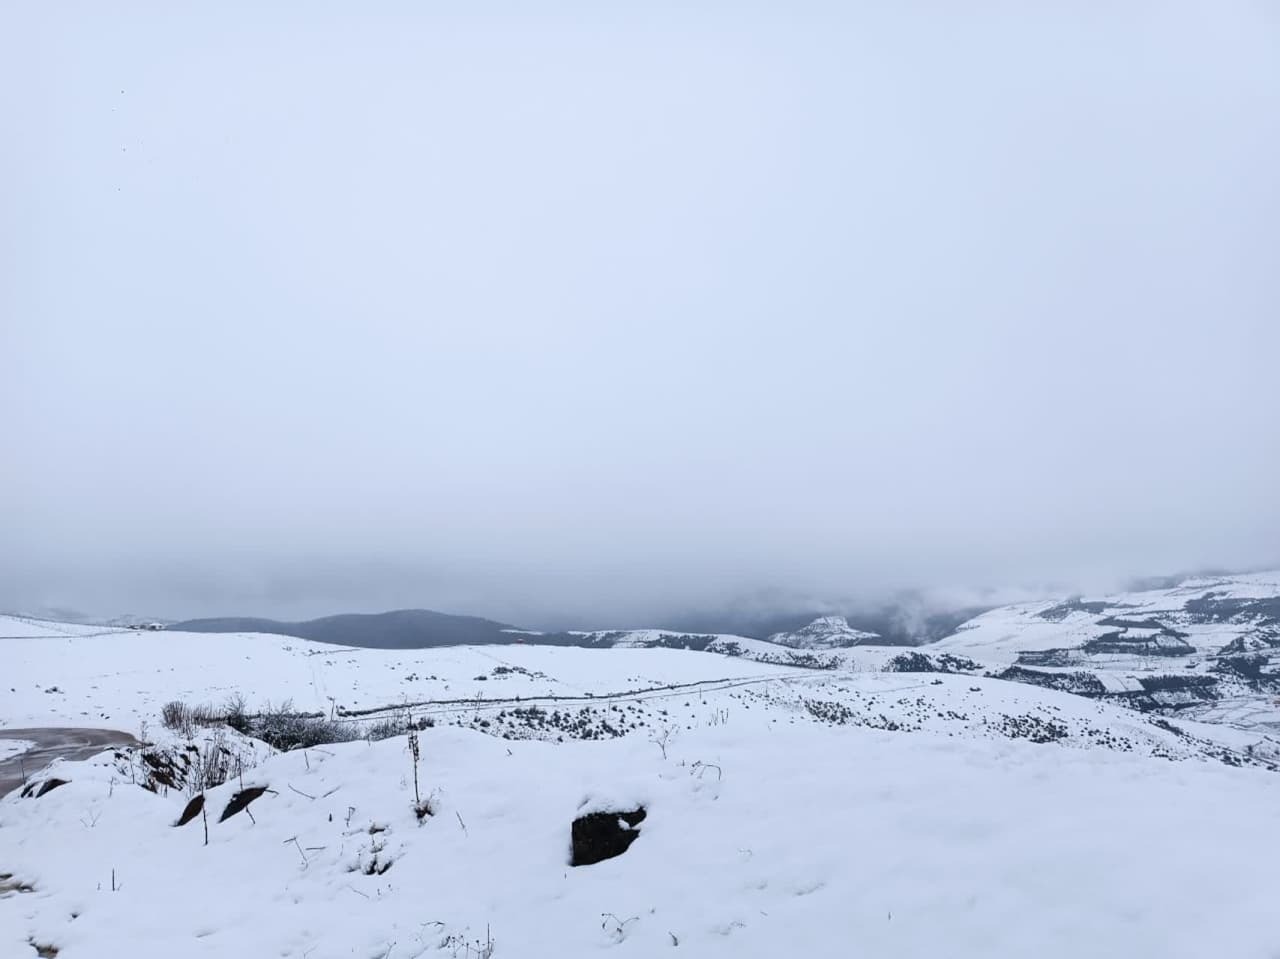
(602, 835)
(39, 788)
(240, 802)
(193, 809)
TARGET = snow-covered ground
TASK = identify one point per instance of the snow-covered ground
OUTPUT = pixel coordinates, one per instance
(124, 678)
(1000, 635)
(790, 811)
(13, 747)
(762, 839)
(1206, 649)
(25, 627)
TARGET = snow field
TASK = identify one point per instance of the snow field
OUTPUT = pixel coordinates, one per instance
(800, 840)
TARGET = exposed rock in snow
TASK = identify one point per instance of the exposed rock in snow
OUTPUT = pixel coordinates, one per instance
(597, 836)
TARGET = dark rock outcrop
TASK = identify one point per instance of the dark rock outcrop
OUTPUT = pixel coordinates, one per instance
(602, 835)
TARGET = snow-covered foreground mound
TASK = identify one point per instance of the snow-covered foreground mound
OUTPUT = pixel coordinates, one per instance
(761, 839)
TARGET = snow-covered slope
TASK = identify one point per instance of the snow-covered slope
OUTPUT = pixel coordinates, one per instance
(119, 679)
(825, 632)
(815, 656)
(1208, 648)
(782, 818)
(27, 627)
(789, 810)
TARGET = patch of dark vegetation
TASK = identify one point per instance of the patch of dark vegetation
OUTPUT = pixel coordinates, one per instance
(598, 836)
(240, 802)
(1080, 683)
(389, 727)
(1048, 657)
(1169, 727)
(837, 714)
(517, 671)
(1252, 668)
(34, 790)
(213, 765)
(187, 720)
(1107, 737)
(1117, 622)
(731, 648)
(1216, 608)
(694, 641)
(950, 663)
(1033, 728)
(1168, 643)
(1056, 614)
(191, 810)
(176, 715)
(236, 715)
(193, 768)
(1203, 686)
(283, 727)
(910, 663)
(161, 770)
(921, 663)
(535, 722)
(796, 657)
(43, 950)
(1169, 693)
(1259, 640)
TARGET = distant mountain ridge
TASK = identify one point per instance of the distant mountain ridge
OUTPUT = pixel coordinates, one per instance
(424, 628)
(398, 629)
(905, 622)
(57, 614)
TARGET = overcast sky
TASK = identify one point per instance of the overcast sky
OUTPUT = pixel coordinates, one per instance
(617, 309)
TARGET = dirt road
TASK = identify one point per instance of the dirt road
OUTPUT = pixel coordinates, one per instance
(51, 744)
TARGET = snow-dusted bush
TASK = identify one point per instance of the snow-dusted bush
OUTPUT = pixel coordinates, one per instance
(235, 713)
(183, 719)
(285, 728)
(387, 728)
(176, 715)
(216, 763)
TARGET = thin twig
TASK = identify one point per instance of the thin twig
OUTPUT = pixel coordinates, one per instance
(305, 862)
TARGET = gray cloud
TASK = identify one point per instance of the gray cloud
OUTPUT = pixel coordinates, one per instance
(588, 315)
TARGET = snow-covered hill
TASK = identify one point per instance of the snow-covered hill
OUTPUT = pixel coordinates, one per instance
(1207, 648)
(13, 627)
(80, 676)
(825, 632)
